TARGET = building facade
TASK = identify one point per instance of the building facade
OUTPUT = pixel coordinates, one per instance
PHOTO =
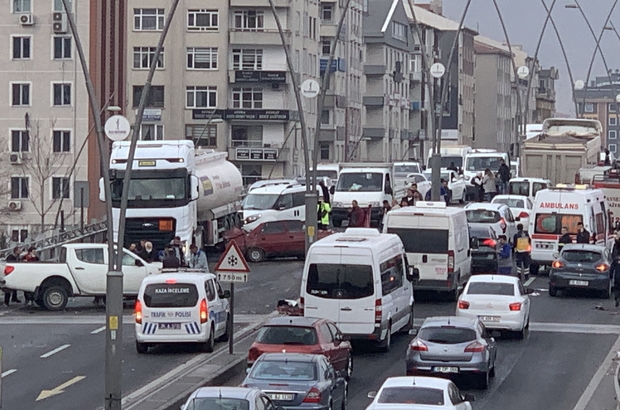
(44, 122)
(545, 94)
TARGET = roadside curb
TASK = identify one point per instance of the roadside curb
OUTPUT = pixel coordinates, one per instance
(617, 383)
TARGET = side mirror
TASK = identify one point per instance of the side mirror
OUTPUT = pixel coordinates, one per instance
(247, 371)
(101, 190)
(413, 332)
(474, 243)
(332, 189)
(372, 394)
(389, 191)
(413, 274)
(529, 291)
(139, 262)
(556, 255)
(195, 188)
(469, 397)
(226, 294)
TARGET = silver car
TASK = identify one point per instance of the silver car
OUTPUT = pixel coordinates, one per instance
(453, 346)
(240, 398)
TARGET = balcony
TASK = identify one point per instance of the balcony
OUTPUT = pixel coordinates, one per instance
(374, 101)
(373, 133)
(332, 101)
(331, 133)
(258, 154)
(259, 3)
(372, 69)
(264, 37)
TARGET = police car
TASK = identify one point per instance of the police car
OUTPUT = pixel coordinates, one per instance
(181, 307)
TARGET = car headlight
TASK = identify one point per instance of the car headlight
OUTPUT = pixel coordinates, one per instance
(252, 218)
(338, 205)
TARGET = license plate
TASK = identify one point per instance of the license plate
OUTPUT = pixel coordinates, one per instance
(172, 326)
(578, 282)
(281, 397)
(442, 369)
(489, 318)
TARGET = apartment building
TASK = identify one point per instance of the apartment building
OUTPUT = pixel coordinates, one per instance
(389, 46)
(223, 79)
(44, 120)
(545, 94)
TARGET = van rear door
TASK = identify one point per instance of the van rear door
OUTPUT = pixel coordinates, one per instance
(171, 308)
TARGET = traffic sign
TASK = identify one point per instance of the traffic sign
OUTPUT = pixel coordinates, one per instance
(240, 277)
(438, 70)
(117, 128)
(310, 88)
(523, 72)
(232, 260)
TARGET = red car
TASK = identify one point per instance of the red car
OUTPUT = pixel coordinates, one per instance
(296, 334)
(272, 239)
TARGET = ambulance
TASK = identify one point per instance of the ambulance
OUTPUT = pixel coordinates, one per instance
(565, 206)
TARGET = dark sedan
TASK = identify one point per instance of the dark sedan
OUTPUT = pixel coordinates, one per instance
(582, 266)
(484, 258)
(298, 381)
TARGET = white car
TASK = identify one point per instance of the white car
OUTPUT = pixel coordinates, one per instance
(520, 205)
(501, 302)
(456, 184)
(424, 185)
(498, 216)
(419, 393)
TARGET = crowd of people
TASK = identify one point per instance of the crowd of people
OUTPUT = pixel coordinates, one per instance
(20, 255)
(172, 256)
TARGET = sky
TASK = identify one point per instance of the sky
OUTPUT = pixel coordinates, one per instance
(524, 21)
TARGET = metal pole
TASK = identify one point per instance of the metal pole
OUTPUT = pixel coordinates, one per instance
(310, 209)
(82, 213)
(205, 128)
(231, 318)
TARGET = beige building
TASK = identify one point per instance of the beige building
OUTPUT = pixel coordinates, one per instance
(224, 80)
(44, 121)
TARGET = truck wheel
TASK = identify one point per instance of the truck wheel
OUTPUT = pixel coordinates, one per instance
(256, 255)
(40, 303)
(55, 298)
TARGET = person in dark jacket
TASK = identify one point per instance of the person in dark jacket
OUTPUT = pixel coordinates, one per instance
(171, 261)
(477, 182)
(564, 239)
(12, 295)
(148, 253)
(504, 176)
(504, 256)
(325, 191)
(583, 236)
(357, 216)
(615, 257)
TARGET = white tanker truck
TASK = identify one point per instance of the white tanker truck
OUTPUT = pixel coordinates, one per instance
(175, 190)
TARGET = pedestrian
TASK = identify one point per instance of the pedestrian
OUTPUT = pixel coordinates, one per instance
(403, 203)
(617, 225)
(11, 295)
(504, 256)
(325, 191)
(504, 176)
(385, 209)
(177, 247)
(445, 192)
(489, 185)
(478, 182)
(395, 204)
(583, 236)
(31, 256)
(564, 239)
(133, 248)
(357, 216)
(322, 213)
(417, 196)
(409, 198)
(523, 247)
(198, 258)
(171, 261)
(148, 253)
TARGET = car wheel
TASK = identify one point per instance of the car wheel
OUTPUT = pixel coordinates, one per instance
(409, 324)
(142, 348)
(256, 255)
(209, 345)
(226, 335)
(606, 293)
(521, 334)
(348, 371)
(553, 291)
(386, 344)
(492, 371)
(55, 298)
(483, 380)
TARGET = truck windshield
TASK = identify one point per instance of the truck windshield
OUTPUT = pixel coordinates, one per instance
(482, 163)
(151, 188)
(401, 171)
(360, 182)
(446, 160)
(260, 202)
(325, 173)
(553, 223)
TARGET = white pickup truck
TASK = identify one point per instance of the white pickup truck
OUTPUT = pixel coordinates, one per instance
(80, 271)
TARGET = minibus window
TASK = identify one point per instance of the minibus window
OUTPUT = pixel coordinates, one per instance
(170, 295)
(335, 281)
(519, 188)
(423, 240)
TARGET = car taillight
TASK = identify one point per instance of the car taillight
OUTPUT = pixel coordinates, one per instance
(514, 307)
(603, 267)
(138, 311)
(378, 311)
(418, 346)
(8, 269)
(475, 347)
(524, 214)
(557, 264)
(253, 354)
(489, 242)
(313, 396)
(450, 261)
(463, 304)
(502, 224)
(301, 306)
(204, 311)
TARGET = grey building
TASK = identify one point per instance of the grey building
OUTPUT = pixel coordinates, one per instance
(545, 94)
(389, 45)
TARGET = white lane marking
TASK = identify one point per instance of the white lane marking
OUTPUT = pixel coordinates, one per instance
(101, 329)
(53, 352)
(598, 377)
(8, 372)
(529, 281)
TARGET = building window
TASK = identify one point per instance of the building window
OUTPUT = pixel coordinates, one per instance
(247, 97)
(151, 132)
(20, 141)
(19, 235)
(612, 134)
(327, 12)
(613, 148)
(61, 94)
(21, 48)
(247, 59)
(201, 97)
(613, 120)
(247, 136)
(20, 94)
(61, 141)
(251, 173)
(324, 151)
(203, 136)
(58, 6)
(326, 47)
(612, 107)
(202, 20)
(19, 187)
(249, 20)
(62, 48)
(22, 6)
(60, 188)
(148, 19)
(325, 117)
(589, 107)
(399, 31)
(155, 97)
(202, 58)
(144, 56)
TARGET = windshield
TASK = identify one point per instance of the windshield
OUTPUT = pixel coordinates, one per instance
(336, 281)
(412, 395)
(519, 188)
(404, 170)
(483, 216)
(283, 335)
(150, 188)
(482, 163)
(581, 256)
(553, 223)
(445, 161)
(260, 202)
(511, 202)
(422, 240)
(444, 175)
(217, 403)
(491, 288)
(360, 182)
(289, 371)
(168, 295)
(333, 175)
(447, 335)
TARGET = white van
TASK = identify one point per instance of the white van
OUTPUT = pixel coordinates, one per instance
(565, 206)
(437, 243)
(359, 279)
(181, 307)
(479, 160)
(276, 202)
(450, 154)
(528, 186)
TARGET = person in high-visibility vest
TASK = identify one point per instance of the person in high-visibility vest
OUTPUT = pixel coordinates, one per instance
(323, 210)
(523, 247)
